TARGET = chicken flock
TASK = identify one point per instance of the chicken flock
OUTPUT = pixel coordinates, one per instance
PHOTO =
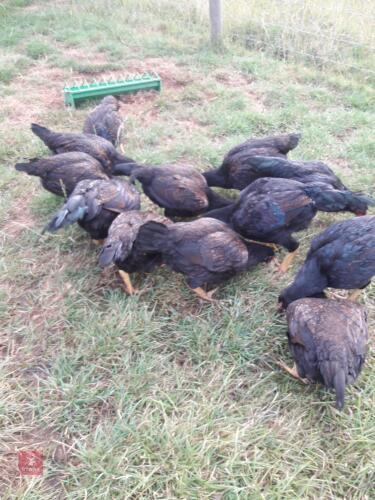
(224, 236)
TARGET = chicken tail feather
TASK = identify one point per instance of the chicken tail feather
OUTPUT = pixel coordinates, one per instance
(40, 131)
(339, 385)
(72, 211)
(30, 168)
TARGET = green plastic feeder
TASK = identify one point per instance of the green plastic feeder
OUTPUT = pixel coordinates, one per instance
(131, 83)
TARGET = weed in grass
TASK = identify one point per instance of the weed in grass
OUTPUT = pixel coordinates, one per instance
(37, 49)
(6, 75)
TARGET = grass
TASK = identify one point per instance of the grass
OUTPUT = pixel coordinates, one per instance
(324, 34)
(158, 395)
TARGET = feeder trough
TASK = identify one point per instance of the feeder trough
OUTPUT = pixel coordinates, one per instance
(130, 83)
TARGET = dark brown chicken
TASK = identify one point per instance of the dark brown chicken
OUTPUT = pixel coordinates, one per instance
(180, 189)
(328, 341)
(232, 172)
(274, 145)
(95, 205)
(240, 174)
(206, 251)
(121, 246)
(61, 173)
(97, 147)
(105, 121)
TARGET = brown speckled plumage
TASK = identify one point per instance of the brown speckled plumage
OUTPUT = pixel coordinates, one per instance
(206, 250)
(328, 340)
(233, 171)
(61, 173)
(104, 120)
(121, 248)
(270, 210)
(94, 204)
(97, 147)
(178, 188)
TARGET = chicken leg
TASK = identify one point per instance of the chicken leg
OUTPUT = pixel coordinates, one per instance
(287, 261)
(292, 371)
(204, 295)
(127, 282)
(274, 247)
(355, 295)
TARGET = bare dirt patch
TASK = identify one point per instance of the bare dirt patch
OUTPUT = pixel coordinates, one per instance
(172, 75)
(83, 56)
(140, 104)
(256, 100)
(45, 84)
(234, 79)
(19, 217)
(239, 81)
(189, 125)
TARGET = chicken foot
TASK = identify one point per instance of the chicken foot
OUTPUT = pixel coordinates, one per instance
(130, 290)
(292, 371)
(355, 295)
(288, 259)
(204, 295)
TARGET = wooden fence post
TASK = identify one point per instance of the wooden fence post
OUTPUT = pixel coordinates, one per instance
(215, 21)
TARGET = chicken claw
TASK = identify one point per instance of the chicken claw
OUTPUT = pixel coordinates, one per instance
(130, 290)
(292, 371)
(287, 261)
(204, 295)
(355, 295)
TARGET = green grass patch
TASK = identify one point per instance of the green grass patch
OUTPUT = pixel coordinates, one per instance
(38, 49)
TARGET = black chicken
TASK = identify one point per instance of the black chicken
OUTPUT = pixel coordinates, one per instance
(252, 168)
(97, 147)
(206, 251)
(328, 341)
(326, 197)
(180, 189)
(94, 204)
(61, 173)
(329, 199)
(270, 210)
(121, 246)
(230, 173)
(104, 120)
(342, 256)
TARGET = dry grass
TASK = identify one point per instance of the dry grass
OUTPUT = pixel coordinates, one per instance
(327, 34)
